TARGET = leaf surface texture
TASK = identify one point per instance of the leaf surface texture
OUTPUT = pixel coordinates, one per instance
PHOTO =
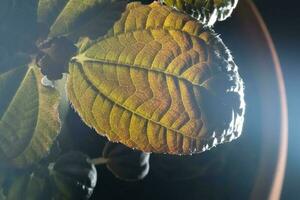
(29, 120)
(78, 18)
(159, 82)
(206, 11)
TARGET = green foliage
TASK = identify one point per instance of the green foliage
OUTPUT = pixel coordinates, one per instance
(78, 18)
(125, 163)
(73, 176)
(29, 120)
(184, 59)
(158, 81)
(28, 187)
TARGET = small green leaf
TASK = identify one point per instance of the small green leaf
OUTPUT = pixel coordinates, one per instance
(29, 119)
(73, 176)
(28, 186)
(126, 163)
(78, 18)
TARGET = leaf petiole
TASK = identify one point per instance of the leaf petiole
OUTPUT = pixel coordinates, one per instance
(99, 161)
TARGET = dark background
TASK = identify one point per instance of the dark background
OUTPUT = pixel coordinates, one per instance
(283, 21)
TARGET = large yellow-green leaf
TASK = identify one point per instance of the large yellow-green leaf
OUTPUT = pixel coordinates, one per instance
(207, 11)
(29, 120)
(77, 18)
(159, 82)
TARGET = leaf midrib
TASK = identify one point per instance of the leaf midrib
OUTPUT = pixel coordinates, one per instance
(81, 58)
(13, 97)
(30, 135)
(126, 108)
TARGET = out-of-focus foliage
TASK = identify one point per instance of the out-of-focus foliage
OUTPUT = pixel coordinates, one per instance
(159, 82)
(27, 187)
(2, 179)
(73, 176)
(29, 120)
(206, 11)
(125, 163)
(78, 18)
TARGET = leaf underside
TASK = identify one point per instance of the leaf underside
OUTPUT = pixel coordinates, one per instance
(158, 82)
(29, 120)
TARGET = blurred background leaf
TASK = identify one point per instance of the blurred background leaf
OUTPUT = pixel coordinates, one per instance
(126, 163)
(29, 118)
(73, 176)
(79, 18)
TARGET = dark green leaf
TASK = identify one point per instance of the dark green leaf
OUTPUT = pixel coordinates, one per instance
(29, 119)
(78, 18)
(74, 177)
(126, 163)
(27, 186)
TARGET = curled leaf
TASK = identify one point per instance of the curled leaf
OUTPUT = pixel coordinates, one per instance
(74, 177)
(206, 11)
(125, 163)
(29, 119)
(160, 82)
(54, 56)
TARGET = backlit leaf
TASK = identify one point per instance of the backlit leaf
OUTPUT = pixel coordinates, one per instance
(159, 82)
(77, 18)
(29, 119)
(207, 11)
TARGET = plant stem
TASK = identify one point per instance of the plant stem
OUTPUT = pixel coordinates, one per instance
(99, 161)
